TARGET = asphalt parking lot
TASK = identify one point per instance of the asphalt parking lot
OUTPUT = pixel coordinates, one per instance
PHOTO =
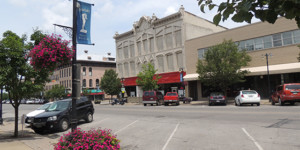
(191, 127)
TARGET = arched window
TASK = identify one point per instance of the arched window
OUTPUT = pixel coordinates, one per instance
(83, 71)
(97, 83)
(83, 83)
(91, 83)
(90, 71)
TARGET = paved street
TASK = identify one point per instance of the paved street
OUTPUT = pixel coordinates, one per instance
(188, 127)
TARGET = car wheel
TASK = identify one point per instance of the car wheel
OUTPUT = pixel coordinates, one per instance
(145, 104)
(292, 103)
(273, 102)
(209, 103)
(166, 104)
(177, 104)
(280, 102)
(89, 117)
(151, 104)
(251, 104)
(240, 104)
(63, 125)
(235, 103)
(258, 104)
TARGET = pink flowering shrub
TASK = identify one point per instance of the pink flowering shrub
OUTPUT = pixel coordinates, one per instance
(90, 140)
(51, 53)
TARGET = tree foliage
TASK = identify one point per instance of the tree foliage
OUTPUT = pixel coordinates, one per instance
(147, 78)
(19, 79)
(56, 92)
(110, 82)
(245, 10)
(221, 65)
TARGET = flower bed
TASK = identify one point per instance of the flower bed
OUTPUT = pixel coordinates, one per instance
(90, 140)
(51, 53)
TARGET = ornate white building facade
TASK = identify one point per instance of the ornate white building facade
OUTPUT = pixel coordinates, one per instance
(160, 42)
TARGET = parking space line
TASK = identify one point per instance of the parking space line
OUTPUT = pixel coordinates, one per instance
(251, 138)
(125, 127)
(165, 146)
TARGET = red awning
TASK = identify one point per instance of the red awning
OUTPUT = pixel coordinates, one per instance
(170, 77)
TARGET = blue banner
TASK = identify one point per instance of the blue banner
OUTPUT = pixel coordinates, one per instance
(83, 23)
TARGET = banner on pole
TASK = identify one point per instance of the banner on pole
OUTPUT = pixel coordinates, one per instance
(83, 23)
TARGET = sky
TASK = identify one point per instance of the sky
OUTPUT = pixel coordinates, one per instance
(108, 17)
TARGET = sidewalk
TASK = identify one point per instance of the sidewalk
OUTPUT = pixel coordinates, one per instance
(8, 142)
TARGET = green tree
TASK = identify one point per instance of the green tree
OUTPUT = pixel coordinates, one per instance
(110, 83)
(56, 92)
(245, 10)
(20, 80)
(221, 66)
(147, 78)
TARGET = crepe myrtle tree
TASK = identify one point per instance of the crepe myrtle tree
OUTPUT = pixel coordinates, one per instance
(19, 78)
(147, 77)
(221, 66)
(245, 10)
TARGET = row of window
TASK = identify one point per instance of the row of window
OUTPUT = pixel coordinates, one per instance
(90, 83)
(84, 71)
(265, 42)
(165, 63)
(65, 72)
(66, 83)
(146, 45)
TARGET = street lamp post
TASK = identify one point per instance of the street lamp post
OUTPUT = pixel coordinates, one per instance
(267, 58)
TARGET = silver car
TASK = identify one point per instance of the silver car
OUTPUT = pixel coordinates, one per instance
(247, 97)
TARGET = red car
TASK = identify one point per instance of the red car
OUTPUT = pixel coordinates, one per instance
(286, 93)
(171, 97)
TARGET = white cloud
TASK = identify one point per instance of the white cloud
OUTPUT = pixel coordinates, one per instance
(21, 3)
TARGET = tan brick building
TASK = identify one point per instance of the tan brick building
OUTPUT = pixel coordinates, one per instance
(278, 40)
(92, 70)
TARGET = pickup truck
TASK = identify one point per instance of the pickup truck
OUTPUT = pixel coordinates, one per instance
(171, 97)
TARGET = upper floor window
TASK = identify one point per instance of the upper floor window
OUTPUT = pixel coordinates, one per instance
(97, 83)
(201, 53)
(91, 83)
(90, 71)
(83, 83)
(84, 71)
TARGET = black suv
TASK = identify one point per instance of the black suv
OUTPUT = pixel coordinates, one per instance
(58, 115)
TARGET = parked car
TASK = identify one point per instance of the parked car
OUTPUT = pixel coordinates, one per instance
(217, 98)
(36, 112)
(171, 98)
(286, 93)
(247, 97)
(30, 101)
(58, 115)
(152, 97)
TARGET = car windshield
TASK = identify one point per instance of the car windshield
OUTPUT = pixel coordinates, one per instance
(249, 92)
(171, 94)
(292, 87)
(45, 106)
(216, 94)
(58, 106)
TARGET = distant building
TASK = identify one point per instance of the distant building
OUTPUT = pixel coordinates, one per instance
(279, 40)
(160, 41)
(92, 70)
